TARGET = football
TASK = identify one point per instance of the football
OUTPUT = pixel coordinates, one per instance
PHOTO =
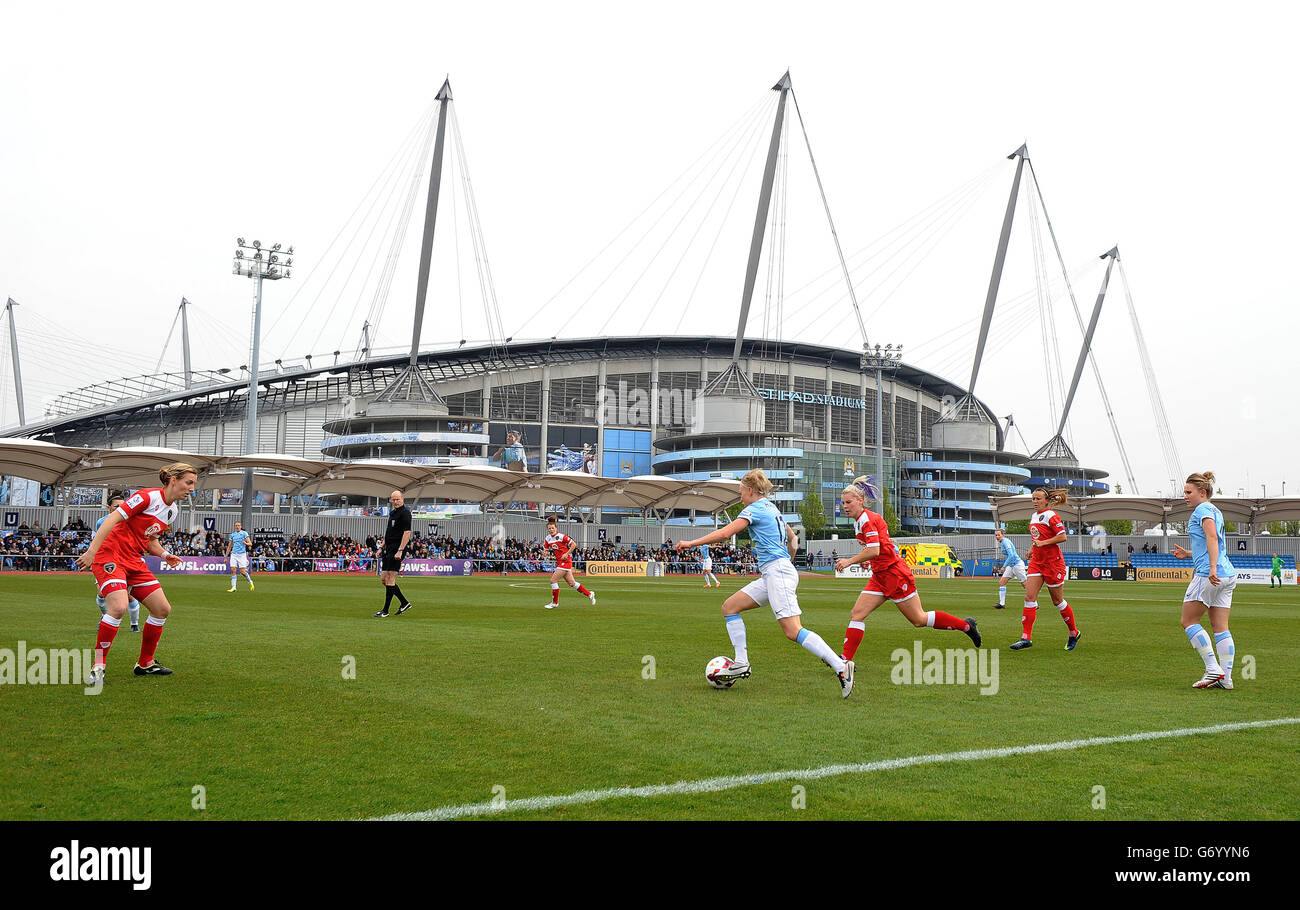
(711, 670)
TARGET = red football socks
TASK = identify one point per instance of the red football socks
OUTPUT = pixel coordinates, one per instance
(852, 639)
(948, 621)
(1068, 615)
(583, 591)
(1027, 620)
(149, 639)
(104, 639)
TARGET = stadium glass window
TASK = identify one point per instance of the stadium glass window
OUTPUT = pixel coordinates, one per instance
(846, 421)
(522, 401)
(776, 413)
(572, 400)
(906, 422)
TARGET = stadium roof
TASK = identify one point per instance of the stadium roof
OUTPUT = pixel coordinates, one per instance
(106, 405)
(1150, 508)
(67, 466)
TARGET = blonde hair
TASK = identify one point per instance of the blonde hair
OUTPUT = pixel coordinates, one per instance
(1204, 482)
(862, 488)
(757, 481)
(1057, 497)
(176, 471)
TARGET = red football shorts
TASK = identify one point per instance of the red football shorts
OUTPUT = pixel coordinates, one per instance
(1053, 572)
(118, 575)
(895, 583)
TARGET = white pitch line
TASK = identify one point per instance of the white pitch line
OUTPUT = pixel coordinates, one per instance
(716, 784)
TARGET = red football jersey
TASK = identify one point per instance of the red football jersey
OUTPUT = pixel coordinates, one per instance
(558, 546)
(871, 528)
(1044, 526)
(146, 515)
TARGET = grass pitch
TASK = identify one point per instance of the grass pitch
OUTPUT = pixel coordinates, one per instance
(480, 692)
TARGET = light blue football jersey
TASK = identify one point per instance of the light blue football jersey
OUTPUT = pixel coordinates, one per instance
(1200, 545)
(767, 529)
(1009, 555)
(239, 543)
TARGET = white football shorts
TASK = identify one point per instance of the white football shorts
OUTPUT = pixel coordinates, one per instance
(239, 560)
(776, 587)
(706, 565)
(1211, 595)
(1017, 572)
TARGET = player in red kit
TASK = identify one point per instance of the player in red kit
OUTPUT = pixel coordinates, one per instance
(1046, 567)
(115, 555)
(561, 547)
(891, 579)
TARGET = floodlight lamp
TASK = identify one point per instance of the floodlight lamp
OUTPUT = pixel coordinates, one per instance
(239, 254)
(240, 241)
(275, 258)
(290, 251)
(257, 256)
(288, 262)
(276, 247)
(257, 244)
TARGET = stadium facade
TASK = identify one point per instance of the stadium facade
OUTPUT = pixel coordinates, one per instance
(617, 407)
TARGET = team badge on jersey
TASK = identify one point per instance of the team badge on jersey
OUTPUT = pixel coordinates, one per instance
(110, 567)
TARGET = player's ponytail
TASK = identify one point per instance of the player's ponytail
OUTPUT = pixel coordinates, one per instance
(757, 481)
(863, 488)
(176, 471)
(1204, 482)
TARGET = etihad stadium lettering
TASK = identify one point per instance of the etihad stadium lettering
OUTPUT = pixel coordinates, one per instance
(838, 401)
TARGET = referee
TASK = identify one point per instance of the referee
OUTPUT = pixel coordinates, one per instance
(396, 537)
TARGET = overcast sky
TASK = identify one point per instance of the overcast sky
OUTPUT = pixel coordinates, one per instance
(615, 151)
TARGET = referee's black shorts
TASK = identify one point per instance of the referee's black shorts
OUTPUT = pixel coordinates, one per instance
(390, 563)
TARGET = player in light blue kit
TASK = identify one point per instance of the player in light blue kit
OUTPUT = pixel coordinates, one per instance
(237, 554)
(1212, 583)
(706, 567)
(134, 606)
(1012, 567)
(774, 544)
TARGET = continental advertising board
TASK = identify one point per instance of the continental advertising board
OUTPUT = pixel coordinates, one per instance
(1180, 574)
(616, 569)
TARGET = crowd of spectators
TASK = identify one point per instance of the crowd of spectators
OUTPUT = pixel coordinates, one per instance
(53, 549)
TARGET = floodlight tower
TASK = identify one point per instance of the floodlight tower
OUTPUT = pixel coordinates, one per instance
(258, 264)
(881, 361)
(18, 373)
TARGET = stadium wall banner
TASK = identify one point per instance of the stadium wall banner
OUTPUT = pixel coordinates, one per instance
(612, 569)
(924, 571)
(189, 565)
(437, 567)
(1099, 573)
(1262, 576)
(860, 572)
(1180, 574)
